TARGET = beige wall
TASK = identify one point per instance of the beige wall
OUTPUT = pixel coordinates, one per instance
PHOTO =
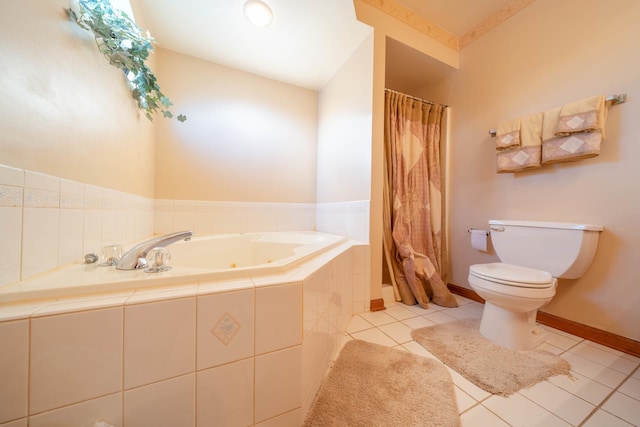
(546, 55)
(64, 110)
(344, 133)
(246, 138)
(549, 54)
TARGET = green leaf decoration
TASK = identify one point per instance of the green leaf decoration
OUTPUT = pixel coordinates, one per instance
(126, 47)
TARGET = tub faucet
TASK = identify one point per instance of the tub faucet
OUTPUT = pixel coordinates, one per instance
(135, 257)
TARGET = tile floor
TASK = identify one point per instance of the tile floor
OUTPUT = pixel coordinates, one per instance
(605, 390)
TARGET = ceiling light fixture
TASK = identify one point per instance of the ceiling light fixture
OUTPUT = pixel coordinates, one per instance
(258, 12)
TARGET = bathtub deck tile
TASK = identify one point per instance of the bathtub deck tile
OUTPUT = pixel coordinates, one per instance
(277, 279)
(70, 305)
(160, 294)
(20, 311)
(224, 286)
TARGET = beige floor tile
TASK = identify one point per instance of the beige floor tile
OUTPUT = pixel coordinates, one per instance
(604, 419)
(560, 402)
(399, 332)
(357, 324)
(479, 416)
(377, 318)
(375, 336)
(517, 410)
(623, 406)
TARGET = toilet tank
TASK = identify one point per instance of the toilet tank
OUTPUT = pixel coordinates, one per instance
(565, 250)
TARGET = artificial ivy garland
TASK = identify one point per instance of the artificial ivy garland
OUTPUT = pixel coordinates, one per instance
(124, 45)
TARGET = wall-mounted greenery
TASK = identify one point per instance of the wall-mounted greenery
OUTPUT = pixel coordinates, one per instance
(125, 46)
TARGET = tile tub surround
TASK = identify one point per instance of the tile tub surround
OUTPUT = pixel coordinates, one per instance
(349, 219)
(47, 222)
(250, 352)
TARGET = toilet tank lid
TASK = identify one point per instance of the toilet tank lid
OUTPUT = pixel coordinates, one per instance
(545, 224)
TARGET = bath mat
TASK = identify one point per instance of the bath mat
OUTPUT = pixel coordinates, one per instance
(493, 368)
(373, 385)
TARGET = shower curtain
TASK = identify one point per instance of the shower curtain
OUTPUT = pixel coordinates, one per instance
(414, 218)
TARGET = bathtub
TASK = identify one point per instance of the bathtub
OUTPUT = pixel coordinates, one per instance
(207, 258)
(251, 322)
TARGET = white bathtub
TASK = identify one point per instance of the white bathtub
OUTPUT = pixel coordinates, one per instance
(201, 259)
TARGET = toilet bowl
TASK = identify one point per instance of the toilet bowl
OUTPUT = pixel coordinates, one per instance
(533, 255)
(513, 294)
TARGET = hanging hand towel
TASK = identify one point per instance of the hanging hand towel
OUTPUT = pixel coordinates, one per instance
(587, 115)
(550, 124)
(577, 146)
(528, 155)
(508, 135)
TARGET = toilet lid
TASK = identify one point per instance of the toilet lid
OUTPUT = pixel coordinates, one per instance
(512, 275)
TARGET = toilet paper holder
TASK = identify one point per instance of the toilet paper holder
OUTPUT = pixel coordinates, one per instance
(478, 229)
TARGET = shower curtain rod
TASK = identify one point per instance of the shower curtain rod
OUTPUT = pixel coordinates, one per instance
(415, 98)
(613, 99)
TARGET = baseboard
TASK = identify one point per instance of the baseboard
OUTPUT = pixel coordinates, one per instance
(377, 305)
(465, 292)
(590, 333)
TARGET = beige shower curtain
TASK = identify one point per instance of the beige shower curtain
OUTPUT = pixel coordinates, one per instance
(413, 215)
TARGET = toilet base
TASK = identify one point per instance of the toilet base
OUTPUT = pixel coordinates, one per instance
(517, 331)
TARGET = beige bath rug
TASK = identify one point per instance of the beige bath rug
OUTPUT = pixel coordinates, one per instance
(491, 367)
(371, 385)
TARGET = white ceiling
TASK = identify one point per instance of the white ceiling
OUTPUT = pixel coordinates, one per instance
(306, 43)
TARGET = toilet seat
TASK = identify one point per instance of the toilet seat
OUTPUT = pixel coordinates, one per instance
(512, 275)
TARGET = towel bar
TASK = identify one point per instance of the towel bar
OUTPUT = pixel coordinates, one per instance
(613, 99)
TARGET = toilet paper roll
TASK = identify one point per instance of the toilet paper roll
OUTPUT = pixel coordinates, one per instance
(479, 239)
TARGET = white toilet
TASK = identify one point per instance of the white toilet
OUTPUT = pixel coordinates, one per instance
(533, 254)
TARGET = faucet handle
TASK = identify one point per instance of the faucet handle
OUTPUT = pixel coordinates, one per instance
(159, 258)
(111, 255)
(90, 258)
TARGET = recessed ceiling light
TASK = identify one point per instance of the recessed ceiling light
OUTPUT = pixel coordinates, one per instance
(258, 12)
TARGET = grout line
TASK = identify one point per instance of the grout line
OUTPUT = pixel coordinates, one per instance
(613, 391)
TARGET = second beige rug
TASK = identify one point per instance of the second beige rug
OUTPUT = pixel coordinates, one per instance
(371, 385)
(493, 368)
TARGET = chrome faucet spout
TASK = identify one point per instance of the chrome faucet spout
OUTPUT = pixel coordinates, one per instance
(135, 257)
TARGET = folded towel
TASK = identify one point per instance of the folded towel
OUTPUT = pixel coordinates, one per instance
(508, 135)
(571, 148)
(587, 115)
(531, 130)
(518, 159)
(550, 123)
